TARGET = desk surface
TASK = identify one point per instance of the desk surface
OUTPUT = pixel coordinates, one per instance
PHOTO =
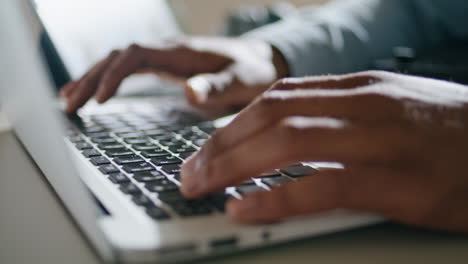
(34, 228)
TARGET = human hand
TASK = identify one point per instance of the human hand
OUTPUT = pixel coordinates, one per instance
(222, 73)
(403, 141)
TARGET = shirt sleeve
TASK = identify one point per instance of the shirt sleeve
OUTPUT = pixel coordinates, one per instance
(348, 35)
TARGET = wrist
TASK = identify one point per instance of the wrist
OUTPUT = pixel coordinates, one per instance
(280, 64)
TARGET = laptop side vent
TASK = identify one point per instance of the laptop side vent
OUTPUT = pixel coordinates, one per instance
(224, 243)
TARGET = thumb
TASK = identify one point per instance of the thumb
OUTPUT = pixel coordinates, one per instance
(211, 88)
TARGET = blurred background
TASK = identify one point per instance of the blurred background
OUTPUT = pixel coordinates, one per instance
(207, 16)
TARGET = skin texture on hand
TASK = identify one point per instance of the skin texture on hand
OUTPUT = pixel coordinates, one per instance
(403, 141)
(220, 73)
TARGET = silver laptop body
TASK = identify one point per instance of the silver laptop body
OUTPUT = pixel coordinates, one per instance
(123, 232)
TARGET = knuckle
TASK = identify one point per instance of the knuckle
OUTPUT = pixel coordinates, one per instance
(285, 84)
(266, 110)
(134, 47)
(114, 53)
(268, 104)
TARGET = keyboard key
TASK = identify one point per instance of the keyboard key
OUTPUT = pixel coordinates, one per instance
(248, 188)
(138, 140)
(157, 213)
(171, 142)
(148, 176)
(171, 169)
(128, 159)
(166, 160)
(177, 176)
(192, 137)
(162, 137)
(111, 146)
(219, 200)
(138, 167)
(88, 153)
(200, 142)
(269, 174)
(130, 188)
(155, 153)
(298, 171)
(185, 155)
(156, 132)
(207, 128)
(104, 140)
(119, 152)
(192, 208)
(182, 149)
(108, 169)
(171, 197)
(93, 129)
(131, 135)
(145, 146)
(99, 135)
(76, 139)
(146, 127)
(142, 200)
(98, 161)
(125, 129)
(83, 146)
(162, 186)
(275, 180)
(118, 178)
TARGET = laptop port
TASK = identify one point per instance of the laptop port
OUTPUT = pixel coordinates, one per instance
(224, 243)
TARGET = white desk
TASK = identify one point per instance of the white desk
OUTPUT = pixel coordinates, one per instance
(34, 228)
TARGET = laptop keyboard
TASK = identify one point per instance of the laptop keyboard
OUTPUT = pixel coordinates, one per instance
(142, 155)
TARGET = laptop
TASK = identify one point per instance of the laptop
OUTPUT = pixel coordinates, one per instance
(116, 170)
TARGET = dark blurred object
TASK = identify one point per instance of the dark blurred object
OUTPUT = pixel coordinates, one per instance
(55, 65)
(450, 63)
(247, 18)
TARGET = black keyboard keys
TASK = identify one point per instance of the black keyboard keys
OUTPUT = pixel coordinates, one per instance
(157, 213)
(111, 146)
(104, 140)
(192, 208)
(182, 148)
(119, 152)
(142, 200)
(161, 186)
(128, 159)
(131, 135)
(185, 155)
(248, 188)
(148, 176)
(171, 142)
(98, 161)
(218, 200)
(89, 153)
(171, 168)
(274, 180)
(108, 169)
(139, 140)
(145, 146)
(118, 178)
(83, 146)
(130, 188)
(165, 160)
(298, 171)
(154, 153)
(137, 167)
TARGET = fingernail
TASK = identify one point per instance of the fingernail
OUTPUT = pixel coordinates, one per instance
(193, 179)
(201, 88)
